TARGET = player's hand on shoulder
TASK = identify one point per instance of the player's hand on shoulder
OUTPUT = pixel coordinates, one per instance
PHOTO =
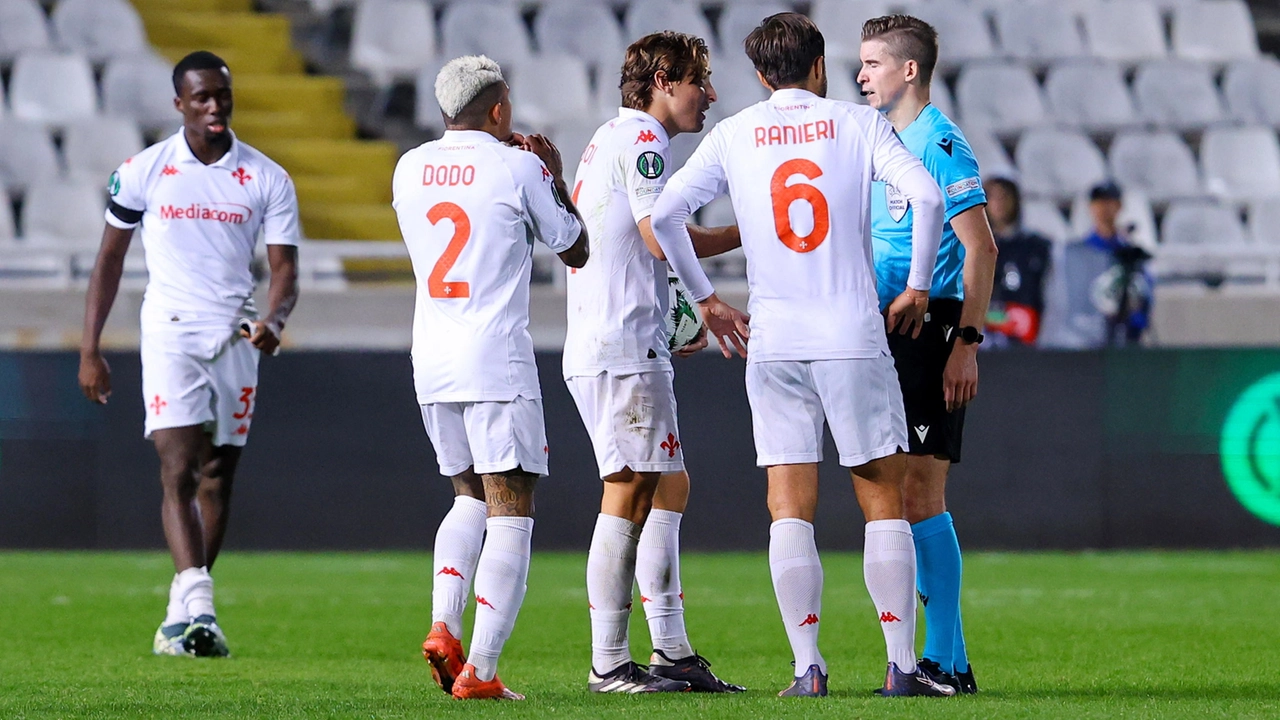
(95, 377)
(698, 344)
(727, 323)
(906, 312)
(547, 152)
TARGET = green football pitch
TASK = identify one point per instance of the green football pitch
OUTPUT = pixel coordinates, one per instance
(1105, 635)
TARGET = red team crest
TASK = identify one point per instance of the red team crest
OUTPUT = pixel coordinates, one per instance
(242, 176)
(170, 170)
(671, 444)
(646, 136)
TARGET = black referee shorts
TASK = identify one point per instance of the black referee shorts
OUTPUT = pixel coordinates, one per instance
(920, 362)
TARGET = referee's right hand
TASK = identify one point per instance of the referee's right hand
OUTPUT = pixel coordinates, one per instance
(95, 378)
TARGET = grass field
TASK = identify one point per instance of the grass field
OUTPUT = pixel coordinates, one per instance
(1160, 635)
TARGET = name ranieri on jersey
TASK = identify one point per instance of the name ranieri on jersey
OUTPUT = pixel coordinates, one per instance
(796, 134)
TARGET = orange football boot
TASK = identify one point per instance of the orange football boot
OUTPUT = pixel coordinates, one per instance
(469, 687)
(444, 652)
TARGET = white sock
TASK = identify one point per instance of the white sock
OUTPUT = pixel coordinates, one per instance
(889, 567)
(611, 565)
(454, 560)
(500, 585)
(195, 586)
(658, 574)
(797, 583)
(176, 613)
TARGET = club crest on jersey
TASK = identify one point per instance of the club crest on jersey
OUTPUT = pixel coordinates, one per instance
(113, 183)
(650, 164)
(646, 136)
(896, 202)
(242, 176)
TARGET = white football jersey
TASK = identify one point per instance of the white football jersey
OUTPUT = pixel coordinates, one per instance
(799, 170)
(470, 208)
(616, 303)
(200, 224)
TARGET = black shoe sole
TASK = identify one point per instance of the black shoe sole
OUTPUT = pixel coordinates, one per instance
(203, 643)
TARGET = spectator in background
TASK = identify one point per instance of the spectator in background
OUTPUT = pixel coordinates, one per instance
(1108, 290)
(1017, 301)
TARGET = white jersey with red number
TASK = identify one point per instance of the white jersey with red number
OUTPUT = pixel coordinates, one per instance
(799, 169)
(617, 302)
(470, 208)
(200, 224)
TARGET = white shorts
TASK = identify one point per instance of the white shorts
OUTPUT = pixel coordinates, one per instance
(859, 398)
(199, 375)
(491, 437)
(631, 420)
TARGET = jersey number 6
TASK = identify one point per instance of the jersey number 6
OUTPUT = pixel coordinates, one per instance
(783, 195)
(436, 285)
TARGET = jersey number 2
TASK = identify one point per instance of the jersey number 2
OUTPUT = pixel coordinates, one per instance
(436, 285)
(783, 195)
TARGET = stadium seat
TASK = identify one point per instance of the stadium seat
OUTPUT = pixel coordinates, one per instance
(392, 39)
(993, 159)
(426, 111)
(1044, 217)
(1177, 93)
(1252, 90)
(549, 90)
(496, 30)
(1059, 164)
(841, 83)
(841, 22)
(963, 32)
(1127, 31)
(1003, 97)
(940, 97)
(1214, 31)
(1264, 221)
(1089, 94)
(740, 18)
(63, 212)
(736, 84)
(22, 28)
(8, 229)
(1201, 223)
(572, 139)
(27, 156)
(649, 16)
(1241, 163)
(99, 29)
(93, 149)
(1038, 32)
(52, 88)
(586, 30)
(1157, 163)
(140, 87)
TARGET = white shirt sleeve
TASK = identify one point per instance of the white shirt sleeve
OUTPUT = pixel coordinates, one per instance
(893, 163)
(700, 181)
(280, 219)
(551, 221)
(128, 195)
(646, 170)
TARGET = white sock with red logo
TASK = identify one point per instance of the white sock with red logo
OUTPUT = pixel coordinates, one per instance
(658, 575)
(454, 559)
(500, 580)
(797, 583)
(889, 567)
(611, 566)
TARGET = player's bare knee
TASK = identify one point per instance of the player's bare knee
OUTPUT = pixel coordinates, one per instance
(509, 494)
(468, 484)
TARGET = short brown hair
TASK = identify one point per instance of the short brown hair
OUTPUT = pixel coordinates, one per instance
(784, 47)
(908, 38)
(681, 56)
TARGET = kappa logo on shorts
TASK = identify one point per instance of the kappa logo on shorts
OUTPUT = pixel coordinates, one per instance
(922, 431)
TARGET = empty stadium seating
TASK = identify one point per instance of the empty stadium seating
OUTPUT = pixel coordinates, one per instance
(1157, 163)
(392, 39)
(1089, 94)
(22, 28)
(99, 29)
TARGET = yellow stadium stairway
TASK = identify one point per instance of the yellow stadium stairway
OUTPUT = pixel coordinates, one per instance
(344, 184)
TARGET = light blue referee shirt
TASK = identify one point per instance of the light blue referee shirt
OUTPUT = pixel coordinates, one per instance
(938, 143)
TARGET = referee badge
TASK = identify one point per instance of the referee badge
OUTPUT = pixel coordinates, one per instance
(897, 203)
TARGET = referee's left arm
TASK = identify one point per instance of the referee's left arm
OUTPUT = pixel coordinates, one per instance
(960, 379)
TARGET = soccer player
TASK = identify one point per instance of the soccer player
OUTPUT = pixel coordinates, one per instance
(470, 206)
(799, 169)
(938, 370)
(201, 197)
(618, 368)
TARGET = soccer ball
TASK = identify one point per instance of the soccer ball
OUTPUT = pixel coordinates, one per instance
(683, 319)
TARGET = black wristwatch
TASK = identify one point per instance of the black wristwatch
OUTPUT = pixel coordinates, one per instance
(971, 335)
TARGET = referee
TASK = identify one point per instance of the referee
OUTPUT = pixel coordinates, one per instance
(937, 367)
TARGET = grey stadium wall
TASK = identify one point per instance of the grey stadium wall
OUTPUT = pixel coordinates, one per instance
(1062, 451)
